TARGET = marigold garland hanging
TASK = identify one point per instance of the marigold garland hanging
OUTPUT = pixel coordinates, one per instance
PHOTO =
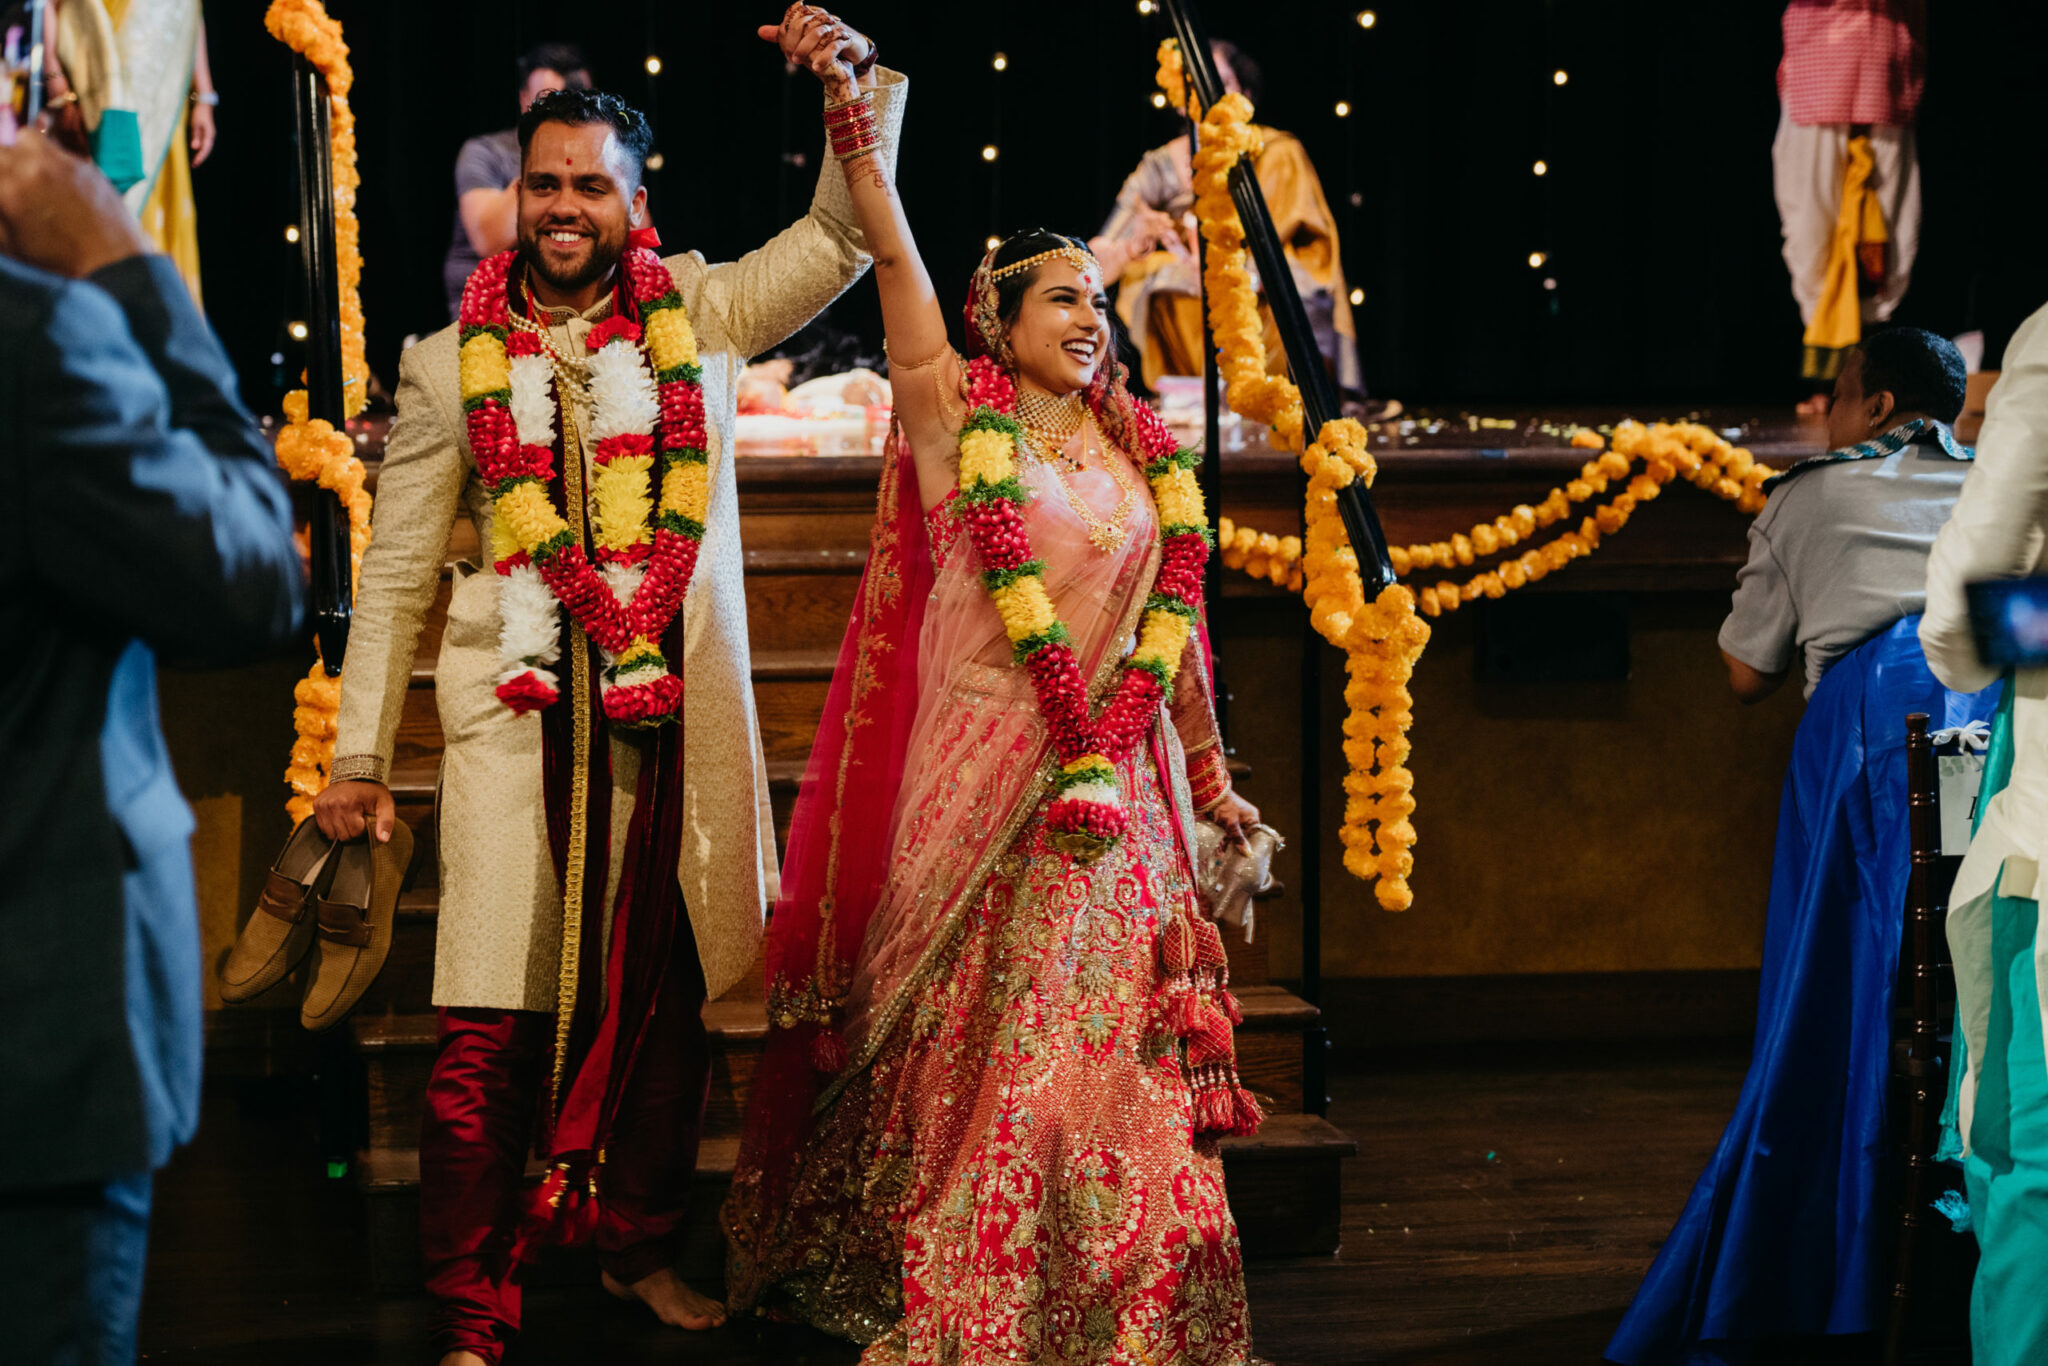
(311, 449)
(1381, 639)
(1664, 451)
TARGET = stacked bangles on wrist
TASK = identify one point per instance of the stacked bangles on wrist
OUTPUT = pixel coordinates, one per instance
(851, 127)
(1208, 778)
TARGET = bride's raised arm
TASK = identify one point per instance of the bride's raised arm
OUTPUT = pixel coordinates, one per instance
(912, 320)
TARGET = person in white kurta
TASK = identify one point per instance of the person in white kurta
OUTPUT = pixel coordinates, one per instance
(500, 958)
(1999, 531)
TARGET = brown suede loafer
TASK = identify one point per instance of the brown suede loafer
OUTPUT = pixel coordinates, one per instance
(356, 916)
(281, 930)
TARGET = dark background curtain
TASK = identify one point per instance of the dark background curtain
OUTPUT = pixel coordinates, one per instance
(1655, 219)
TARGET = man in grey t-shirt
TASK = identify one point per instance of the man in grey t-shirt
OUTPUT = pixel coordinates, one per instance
(1839, 552)
(487, 171)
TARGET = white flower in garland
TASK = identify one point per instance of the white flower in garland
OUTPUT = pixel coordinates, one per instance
(533, 402)
(529, 615)
(623, 401)
(530, 631)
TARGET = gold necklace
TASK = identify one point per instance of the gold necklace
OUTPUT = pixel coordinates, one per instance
(1104, 536)
(572, 377)
(1050, 421)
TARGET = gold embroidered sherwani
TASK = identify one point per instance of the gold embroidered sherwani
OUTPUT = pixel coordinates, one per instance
(500, 923)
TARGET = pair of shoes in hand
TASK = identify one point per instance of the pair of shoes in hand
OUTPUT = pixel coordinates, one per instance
(341, 898)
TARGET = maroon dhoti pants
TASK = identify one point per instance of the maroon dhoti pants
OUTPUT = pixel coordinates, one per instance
(482, 1102)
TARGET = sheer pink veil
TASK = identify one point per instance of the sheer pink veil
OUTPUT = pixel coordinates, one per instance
(838, 851)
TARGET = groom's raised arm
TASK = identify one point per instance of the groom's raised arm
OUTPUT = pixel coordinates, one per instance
(757, 301)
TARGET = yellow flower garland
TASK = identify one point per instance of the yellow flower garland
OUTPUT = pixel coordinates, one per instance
(313, 449)
(1381, 639)
(1664, 451)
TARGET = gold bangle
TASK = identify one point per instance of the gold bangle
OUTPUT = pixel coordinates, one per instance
(356, 768)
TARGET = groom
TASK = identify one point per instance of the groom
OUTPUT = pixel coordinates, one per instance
(598, 880)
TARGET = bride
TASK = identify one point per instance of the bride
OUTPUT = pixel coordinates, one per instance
(984, 1128)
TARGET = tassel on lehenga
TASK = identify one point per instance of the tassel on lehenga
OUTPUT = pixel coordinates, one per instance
(1197, 1008)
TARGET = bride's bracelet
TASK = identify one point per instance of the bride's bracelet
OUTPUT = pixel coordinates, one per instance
(851, 127)
(1208, 778)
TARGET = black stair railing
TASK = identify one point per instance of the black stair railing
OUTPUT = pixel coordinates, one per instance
(1361, 522)
(333, 590)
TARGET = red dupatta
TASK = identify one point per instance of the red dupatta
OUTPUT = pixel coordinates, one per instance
(839, 848)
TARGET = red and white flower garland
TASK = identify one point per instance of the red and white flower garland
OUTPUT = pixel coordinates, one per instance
(1089, 816)
(647, 407)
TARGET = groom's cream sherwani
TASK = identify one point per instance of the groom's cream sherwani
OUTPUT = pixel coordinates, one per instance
(500, 925)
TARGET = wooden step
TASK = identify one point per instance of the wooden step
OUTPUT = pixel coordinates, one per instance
(398, 1050)
(1284, 1186)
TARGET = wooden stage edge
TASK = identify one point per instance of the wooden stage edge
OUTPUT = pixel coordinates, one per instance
(1365, 1015)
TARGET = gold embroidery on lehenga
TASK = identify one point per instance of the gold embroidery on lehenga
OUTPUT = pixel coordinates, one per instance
(1006, 1171)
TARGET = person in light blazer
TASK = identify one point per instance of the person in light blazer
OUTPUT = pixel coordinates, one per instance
(1999, 1106)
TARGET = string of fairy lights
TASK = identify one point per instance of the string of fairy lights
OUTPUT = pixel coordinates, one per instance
(1367, 21)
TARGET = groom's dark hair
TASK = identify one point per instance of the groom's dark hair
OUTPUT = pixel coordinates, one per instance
(584, 107)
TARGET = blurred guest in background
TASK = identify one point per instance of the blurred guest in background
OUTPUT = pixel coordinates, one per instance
(1999, 1077)
(1848, 181)
(1149, 250)
(487, 171)
(149, 518)
(128, 85)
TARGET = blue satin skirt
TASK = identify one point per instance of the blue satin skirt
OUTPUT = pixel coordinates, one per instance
(1788, 1229)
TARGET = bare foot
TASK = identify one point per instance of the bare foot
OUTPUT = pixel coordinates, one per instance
(462, 1359)
(671, 1300)
(1815, 406)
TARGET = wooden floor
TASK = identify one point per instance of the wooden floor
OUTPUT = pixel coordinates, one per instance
(1501, 1214)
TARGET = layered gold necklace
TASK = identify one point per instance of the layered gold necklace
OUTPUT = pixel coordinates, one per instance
(1050, 423)
(571, 376)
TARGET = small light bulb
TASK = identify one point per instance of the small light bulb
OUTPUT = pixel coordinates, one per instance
(298, 331)
(1158, 99)
(291, 232)
(1558, 77)
(1145, 6)
(654, 66)
(1343, 109)
(1536, 260)
(655, 161)
(988, 153)
(994, 242)
(1001, 62)
(1357, 297)
(1550, 282)
(1366, 18)
(1541, 168)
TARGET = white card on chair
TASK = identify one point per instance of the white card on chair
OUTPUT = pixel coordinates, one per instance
(1961, 775)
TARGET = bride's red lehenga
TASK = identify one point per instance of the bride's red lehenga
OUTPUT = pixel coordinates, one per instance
(974, 1135)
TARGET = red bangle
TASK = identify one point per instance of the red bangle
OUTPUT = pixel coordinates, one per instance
(1208, 777)
(851, 127)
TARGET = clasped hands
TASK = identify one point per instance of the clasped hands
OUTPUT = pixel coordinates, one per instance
(812, 37)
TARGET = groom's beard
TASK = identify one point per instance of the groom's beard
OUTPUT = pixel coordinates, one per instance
(576, 269)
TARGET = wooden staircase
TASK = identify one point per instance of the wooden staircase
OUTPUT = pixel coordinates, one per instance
(1283, 1184)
